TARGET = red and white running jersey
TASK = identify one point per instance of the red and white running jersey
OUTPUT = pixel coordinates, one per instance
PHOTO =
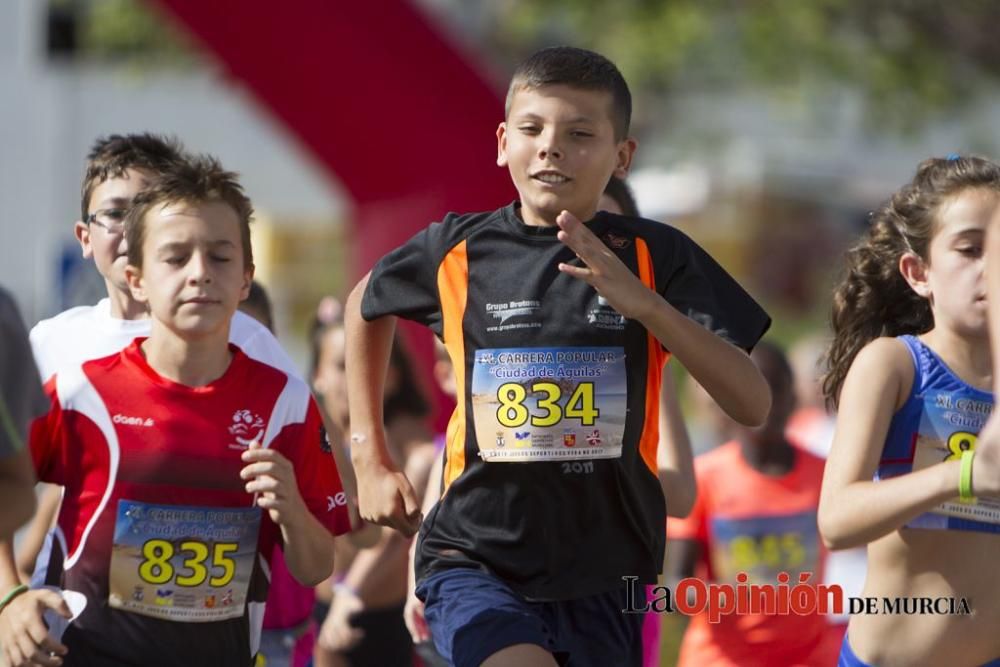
(155, 528)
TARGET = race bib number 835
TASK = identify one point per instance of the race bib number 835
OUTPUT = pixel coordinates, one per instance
(189, 564)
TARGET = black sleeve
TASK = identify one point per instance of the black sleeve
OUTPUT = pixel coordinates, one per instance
(701, 289)
(21, 395)
(404, 282)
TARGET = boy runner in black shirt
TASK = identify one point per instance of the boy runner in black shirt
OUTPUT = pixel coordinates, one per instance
(558, 331)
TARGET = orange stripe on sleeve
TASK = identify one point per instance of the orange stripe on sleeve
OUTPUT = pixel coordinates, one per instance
(650, 438)
(453, 287)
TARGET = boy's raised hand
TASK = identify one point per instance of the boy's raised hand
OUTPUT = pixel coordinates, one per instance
(272, 479)
(602, 269)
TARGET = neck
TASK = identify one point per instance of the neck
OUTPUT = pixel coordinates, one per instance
(534, 218)
(969, 357)
(193, 363)
(123, 306)
(773, 457)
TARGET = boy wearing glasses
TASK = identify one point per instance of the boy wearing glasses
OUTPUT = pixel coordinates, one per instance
(180, 482)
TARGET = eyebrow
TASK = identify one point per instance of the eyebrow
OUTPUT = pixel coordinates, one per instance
(968, 231)
(184, 245)
(115, 202)
(536, 117)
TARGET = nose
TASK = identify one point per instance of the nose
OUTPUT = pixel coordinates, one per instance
(548, 148)
(199, 272)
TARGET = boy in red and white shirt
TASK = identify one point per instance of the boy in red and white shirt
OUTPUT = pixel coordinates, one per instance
(183, 460)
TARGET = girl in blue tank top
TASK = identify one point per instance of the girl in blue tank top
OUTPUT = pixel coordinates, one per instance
(910, 372)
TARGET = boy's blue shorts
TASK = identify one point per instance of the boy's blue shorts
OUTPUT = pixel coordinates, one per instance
(472, 615)
(849, 659)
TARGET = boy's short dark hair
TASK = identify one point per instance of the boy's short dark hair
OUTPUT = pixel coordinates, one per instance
(199, 179)
(111, 156)
(577, 68)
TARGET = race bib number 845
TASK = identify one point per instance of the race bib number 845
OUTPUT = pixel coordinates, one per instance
(549, 404)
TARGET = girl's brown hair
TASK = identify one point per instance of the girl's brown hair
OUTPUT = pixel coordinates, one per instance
(873, 299)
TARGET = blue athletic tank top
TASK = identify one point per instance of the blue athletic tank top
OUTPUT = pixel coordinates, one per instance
(941, 418)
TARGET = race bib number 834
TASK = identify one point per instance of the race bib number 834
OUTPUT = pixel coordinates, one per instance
(549, 404)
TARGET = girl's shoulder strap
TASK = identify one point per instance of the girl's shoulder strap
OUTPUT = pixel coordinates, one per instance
(917, 349)
(933, 373)
(921, 357)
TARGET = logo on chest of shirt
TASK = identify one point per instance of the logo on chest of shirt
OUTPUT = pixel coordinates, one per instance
(507, 310)
(247, 426)
(616, 242)
(133, 421)
(603, 316)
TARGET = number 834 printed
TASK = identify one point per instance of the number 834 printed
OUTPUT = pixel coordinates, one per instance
(513, 412)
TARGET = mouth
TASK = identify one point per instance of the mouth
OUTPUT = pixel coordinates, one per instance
(200, 301)
(551, 177)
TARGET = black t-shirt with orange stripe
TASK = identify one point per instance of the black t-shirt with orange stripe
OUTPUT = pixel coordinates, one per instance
(550, 472)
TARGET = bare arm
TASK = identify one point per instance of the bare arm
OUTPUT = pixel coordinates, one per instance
(992, 252)
(308, 549)
(385, 496)
(17, 492)
(674, 458)
(365, 575)
(374, 573)
(308, 545)
(854, 509)
(413, 613)
(724, 370)
(34, 537)
(986, 465)
(24, 637)
(363, 534)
